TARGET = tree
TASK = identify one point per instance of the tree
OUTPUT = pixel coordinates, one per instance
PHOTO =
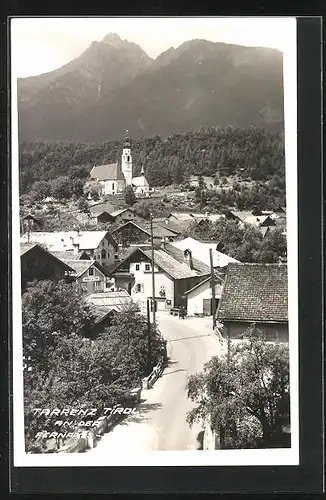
(129, 334)
(93, 188)
(245, 395)
(51, 311)
(130, 197)
(83, 205)
(142, 210)
(40, 190)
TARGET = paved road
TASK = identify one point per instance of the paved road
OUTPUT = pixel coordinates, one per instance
(161, 422)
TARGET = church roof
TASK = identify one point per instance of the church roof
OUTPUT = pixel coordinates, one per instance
(109, 172)
(140, 181)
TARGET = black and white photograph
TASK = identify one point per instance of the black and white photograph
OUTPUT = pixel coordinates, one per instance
(154, 241)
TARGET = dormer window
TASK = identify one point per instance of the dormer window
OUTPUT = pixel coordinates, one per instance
(91, 271)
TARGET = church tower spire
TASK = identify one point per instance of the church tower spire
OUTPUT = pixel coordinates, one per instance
(126, 160)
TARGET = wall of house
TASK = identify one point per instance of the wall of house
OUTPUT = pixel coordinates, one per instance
(181, 286)
(143, 280)
(113, 186)
(38, 265)
(124, 217)
(272, 331)
(195, 298)
(92, 280)
(109, 254)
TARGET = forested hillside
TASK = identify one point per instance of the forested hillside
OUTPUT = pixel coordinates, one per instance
(250, 154)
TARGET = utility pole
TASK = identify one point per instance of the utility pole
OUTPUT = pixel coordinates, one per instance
(153, 276)
(213, 288)
(149, 340)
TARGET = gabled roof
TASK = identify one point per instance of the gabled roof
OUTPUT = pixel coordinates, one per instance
(140, 181)
(27, 247)
(241, 214)
(100, 208)
(121, 211)
(65, 240)
(110, 172)
(218, 280)
(258, 220)
(171, 260)
(159, 230)
(200, 250)
(70, 255)
(80, 266)
(116, 300)
(255, 293)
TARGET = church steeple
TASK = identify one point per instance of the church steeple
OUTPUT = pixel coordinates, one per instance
(126, 160)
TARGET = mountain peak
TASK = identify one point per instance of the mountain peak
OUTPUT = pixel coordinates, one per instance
(112, 39)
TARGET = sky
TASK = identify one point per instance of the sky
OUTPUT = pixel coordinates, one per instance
(39, 45)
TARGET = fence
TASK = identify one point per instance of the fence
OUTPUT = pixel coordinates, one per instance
(157, 371)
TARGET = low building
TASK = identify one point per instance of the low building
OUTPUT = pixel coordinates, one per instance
(139, 233)
(175, 272)
(37, 263)
(104, 305)
(123, 215)
(201, 250)
(200, 297)
(98, 245)
(140, 184)
(30, 222)
(89, 275)
(255, 294)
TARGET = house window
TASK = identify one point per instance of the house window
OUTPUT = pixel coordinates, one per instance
(139, 287)
(147, 267)
(103, 254)
(97, 285)
(91, 271)
(128, 158)
(137, 267)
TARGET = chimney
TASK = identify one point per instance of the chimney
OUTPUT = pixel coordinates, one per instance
(76, 248)
(188, 255)
(163, 241)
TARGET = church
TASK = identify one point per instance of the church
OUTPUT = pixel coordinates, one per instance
(114, 177)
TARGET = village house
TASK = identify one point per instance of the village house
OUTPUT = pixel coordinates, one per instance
(123, 215)
(37, 263)
(104, 305)
(89, 275)
(200, 297)
(30, 222)
(201, 250)
(175, 272)
(255, 294)
(139, 233)
(98, 245)
(115, 177)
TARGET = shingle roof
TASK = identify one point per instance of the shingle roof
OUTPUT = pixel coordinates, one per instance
(26, 247)
(70, 255)
(116, 300)
(200, 250)
(172, 261)
(64, 240)
(255, 293)
(118, 212)
(100, 208)
(81, 265)
(111, 171)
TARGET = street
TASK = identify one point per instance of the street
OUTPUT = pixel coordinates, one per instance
(161, 422)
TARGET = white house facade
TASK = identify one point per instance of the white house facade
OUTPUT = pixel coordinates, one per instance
(199, 298)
